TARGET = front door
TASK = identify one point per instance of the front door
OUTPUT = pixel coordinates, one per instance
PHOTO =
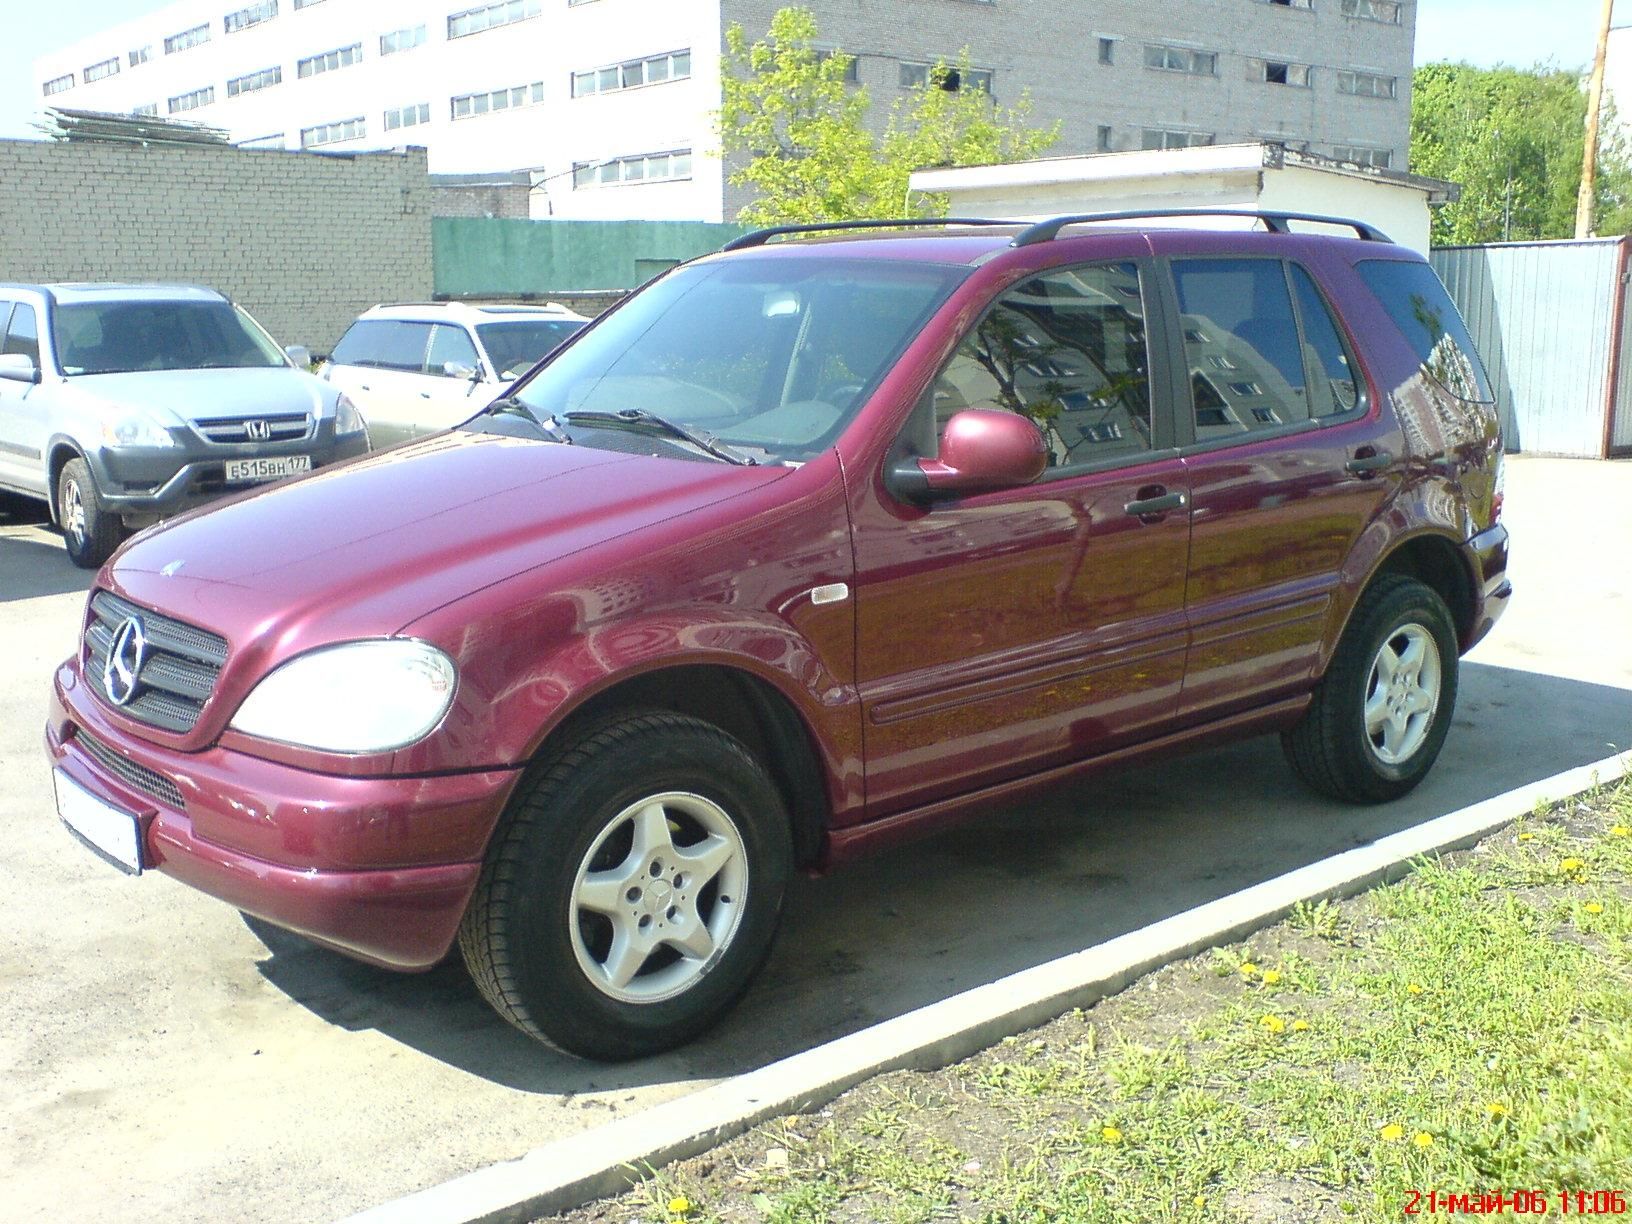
(24, 429)
(1005, 632)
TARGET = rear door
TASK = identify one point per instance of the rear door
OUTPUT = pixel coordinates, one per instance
(1287, 460)
(380, 364)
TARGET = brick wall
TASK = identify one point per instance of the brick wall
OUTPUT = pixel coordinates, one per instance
(511, 200)
(304, 242)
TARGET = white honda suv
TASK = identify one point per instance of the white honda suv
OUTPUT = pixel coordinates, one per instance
(419, 367)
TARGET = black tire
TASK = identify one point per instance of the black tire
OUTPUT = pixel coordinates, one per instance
(88, 529)
(525, 938)
(1331, 748)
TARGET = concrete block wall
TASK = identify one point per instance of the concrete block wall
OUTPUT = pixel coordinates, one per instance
(304, 242)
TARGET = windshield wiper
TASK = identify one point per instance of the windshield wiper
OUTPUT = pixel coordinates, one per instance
(639, 418)
(549, 426)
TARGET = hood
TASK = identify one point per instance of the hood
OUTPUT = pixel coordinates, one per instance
(364, 548)
(187, 395)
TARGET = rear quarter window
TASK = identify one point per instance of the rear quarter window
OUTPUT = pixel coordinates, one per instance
(1428, 319)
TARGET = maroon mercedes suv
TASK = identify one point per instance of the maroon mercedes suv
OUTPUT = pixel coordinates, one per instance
(808, 546)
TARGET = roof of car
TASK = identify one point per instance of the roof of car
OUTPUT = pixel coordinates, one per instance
(105, 291)
(470, 312)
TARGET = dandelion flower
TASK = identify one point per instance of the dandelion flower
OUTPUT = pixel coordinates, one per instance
(1248, 968)
(1271, 977)
(1572, 864)
(679, 1205)
(1593, 907)
(1413, 988)
(1497, 1110)
(1200, 1200)
(1300, 1026)
(1393, 1132)
(1527, 837)
(1620, 831)
(1423, 1139)
(1272, 1024)
(1110, 1134)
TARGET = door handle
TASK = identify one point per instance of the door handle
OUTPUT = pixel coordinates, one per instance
(363, 387)
(424, 395)
(1148, 507)
(1365, 465)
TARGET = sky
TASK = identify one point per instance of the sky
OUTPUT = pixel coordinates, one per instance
(1484, 32)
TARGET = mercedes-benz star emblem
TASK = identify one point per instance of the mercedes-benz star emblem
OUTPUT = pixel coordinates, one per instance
(125, 659)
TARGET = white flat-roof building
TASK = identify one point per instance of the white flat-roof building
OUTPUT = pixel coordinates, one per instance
(610, 103)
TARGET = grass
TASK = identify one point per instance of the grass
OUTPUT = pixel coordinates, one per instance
(1468, 1029)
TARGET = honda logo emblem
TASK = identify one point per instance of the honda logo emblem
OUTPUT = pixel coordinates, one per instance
(258, 431)
(125, 659)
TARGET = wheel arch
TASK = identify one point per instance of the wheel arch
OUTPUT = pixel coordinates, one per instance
(1439, 564)
(59, 453)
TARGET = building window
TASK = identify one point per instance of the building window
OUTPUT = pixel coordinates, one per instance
(631, 74)
(264, 79)
(467, 106)
(57, 85)
(329, 61)
(1181, 59)
(1173, 138)
(1297, 4)
(1386, 11)
(643, 168)
(408, 116)
(474, 21)
(1381, 159)
(300, 4)
(402, 40)
(1105, 138)
(1107, 50)
(1277, 73)
(187, 38)
(251, 16)
(274, 141)
(916, 76)
(149, 110)
(140, 56)
(102, 71)
(1366, 84)
(193, 100)
(852, 65)
(333, 133)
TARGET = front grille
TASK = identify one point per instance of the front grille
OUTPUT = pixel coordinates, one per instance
(282, 427)
(177, 672)
(148, 781)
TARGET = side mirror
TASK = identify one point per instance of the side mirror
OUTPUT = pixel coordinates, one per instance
(457, 369)
(19, 367)
(300, 355)
(982, 449)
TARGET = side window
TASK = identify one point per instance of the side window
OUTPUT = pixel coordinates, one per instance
(1241, 346)
(384, 344)
(1334, 386)
(1066, 349)
(1423, 311)
(23, 334)
(449, 342)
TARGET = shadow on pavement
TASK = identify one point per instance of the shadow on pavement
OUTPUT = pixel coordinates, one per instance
(1073, 868)
(33, 561)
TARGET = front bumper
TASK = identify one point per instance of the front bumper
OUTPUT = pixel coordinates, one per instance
(378, 868)
(1488, 551)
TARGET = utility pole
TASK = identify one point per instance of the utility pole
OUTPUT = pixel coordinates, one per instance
(1595, 103)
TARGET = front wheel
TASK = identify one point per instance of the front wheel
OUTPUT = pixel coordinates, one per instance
(632, 890)
(89, 530)
(1379, 717)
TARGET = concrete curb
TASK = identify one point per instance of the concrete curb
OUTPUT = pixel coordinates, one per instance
(599, 1162)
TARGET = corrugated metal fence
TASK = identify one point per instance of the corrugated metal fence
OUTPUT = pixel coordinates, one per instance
(1550, 320)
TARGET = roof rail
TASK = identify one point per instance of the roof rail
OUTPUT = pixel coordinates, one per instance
(762, 236)
(1275, 222)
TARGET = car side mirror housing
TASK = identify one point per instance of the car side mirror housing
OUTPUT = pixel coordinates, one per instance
(19, 367)
(300, 355)
(458, 369)
(982, 450)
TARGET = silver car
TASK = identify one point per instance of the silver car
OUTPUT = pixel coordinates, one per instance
(124, 404)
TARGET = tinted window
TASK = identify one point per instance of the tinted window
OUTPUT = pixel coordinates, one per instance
(515, 348)
(1066, 349)
(1424, 312)
(1241, 345)
(23, 335)
(1333, 381)
(113, 337)
(384, 344)
(450, 343)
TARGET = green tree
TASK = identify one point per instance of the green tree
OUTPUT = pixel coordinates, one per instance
(1513, 139)
(800, 139)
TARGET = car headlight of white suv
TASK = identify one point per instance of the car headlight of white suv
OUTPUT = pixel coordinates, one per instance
(346, 417)
(358, 697)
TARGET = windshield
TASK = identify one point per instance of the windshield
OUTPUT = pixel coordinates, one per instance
(116, 337)
(515, 348)
(772, 356)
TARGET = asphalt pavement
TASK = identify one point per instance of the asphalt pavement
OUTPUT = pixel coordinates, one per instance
(160, 1059)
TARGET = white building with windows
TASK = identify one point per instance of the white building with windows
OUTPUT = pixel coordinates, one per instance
(609, 103)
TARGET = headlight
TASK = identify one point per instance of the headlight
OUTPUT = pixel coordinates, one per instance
(369, 696)
(136, 429)
(346, 417)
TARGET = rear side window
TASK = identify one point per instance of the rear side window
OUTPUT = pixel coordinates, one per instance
(1422, 310)
(23, 335)
(1241, 345)
(384, 344)
(1333, 385)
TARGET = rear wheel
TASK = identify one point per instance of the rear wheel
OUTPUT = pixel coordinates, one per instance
(632, 890)
(88, 529)
(1380, 715)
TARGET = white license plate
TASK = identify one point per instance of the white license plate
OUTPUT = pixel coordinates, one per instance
(113, 833)
(247, 471)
